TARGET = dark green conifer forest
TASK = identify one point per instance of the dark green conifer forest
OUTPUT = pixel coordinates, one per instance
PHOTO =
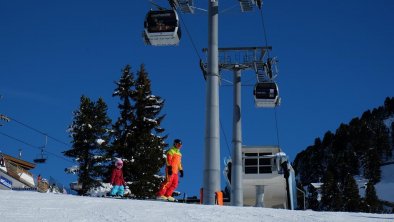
(358, 148)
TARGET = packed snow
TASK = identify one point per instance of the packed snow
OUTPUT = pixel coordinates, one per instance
(384, 188)
(18, 206)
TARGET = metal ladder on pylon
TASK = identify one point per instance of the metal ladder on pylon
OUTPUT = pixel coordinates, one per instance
(259, 68)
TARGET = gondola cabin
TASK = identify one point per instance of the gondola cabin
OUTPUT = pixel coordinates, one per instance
(162, 28)
(268, 179)
(266, 94)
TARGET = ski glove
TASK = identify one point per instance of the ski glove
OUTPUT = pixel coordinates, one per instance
(181, 172)
(169, 170)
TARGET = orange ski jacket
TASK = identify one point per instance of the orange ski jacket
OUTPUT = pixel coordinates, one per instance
(174, 157)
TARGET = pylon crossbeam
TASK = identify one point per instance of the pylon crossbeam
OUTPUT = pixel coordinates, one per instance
(241, 57)
(186, 6)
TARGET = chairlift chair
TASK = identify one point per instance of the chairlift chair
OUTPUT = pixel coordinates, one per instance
(161, 28)
(41, 158)
(266, 94)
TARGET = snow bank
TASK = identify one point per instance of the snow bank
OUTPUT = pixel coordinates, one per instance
(18, 206)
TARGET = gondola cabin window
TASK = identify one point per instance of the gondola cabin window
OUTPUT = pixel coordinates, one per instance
(265, 91)
(161, 21)
(257, 163)
(265, 165)
(251, 163)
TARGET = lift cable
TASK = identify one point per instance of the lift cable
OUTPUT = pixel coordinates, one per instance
(39, 131)
(229, 8)
(190, 37)
(225, 138)
(36, 147)
(157, 5)
(268, 52)
(277, 128)
(19, 140)
(199, 56)
(264, 31)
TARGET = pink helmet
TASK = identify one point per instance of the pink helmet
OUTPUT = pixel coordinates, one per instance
(119, 163)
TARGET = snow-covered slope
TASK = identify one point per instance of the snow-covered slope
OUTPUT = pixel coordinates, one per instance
(17, 206)
(385, 188)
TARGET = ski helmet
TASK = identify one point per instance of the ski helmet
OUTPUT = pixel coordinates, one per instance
(119, 163)
(177, 141)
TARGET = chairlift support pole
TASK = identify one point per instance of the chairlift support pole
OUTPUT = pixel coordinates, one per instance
(211, 180)
(212, 142)
(236, 171)
(236, 60)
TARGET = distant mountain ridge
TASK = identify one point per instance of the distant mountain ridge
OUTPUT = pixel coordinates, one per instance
(359, 148)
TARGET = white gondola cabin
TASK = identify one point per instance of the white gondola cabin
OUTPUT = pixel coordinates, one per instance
(266, 94)
(162, 28)
(268, 179)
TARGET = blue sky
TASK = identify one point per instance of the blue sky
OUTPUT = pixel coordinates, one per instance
(335, 63)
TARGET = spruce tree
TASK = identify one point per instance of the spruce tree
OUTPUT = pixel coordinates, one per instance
(351, 196)
(372, 163)
(371, 199)
(90, 136)
(148, 139)
(389, 105)
(124, 130)
(137, 133)
(343, 156)
(331, 195)
(358, 147)
(382, 139)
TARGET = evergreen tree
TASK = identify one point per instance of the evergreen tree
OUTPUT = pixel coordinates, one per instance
(137, 133)
(351, 195)
(331, 195)
(382, 139)
(359, 136)
(371, 199)
(389, 105)
(343, 157)
(360, 146)
(372, 165)
(149, 144)
(124, 130)
(90, 136)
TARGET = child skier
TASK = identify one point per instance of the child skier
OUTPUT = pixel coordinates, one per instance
(173, 166)
(117, 180)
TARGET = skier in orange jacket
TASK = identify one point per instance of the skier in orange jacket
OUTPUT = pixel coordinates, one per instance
(173, 166)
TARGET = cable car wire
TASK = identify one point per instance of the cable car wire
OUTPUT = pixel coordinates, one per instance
(268, 52)
(277, 128)
(199, 56)
(19, 140)
(39, 131)
(225, 138)
(229, 8)
(264, 31)
(36, 147)
(190, 36)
